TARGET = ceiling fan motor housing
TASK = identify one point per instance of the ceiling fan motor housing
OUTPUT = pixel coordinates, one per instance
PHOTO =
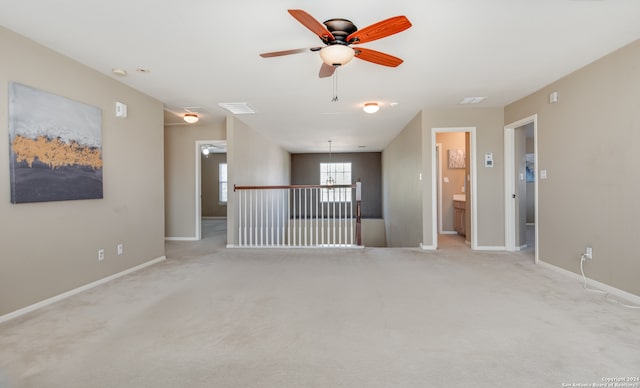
(341, 29)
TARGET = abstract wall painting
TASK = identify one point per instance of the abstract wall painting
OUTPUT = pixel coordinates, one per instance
(55, 147)
(456, 159)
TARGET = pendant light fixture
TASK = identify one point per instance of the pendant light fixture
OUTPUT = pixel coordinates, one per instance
(330, 181)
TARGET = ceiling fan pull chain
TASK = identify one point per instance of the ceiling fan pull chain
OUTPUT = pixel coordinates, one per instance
(335, 85)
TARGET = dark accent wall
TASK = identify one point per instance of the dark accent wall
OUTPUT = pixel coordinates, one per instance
(305, 170)
(211, 206)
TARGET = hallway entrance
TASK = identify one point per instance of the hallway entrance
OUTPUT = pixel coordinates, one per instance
(454, 185)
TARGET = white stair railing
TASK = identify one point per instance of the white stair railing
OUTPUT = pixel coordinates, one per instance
(299, 216)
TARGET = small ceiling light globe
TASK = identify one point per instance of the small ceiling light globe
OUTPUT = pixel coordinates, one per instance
(371, 107)
(205, 151)
(336, 55)
(191, 118)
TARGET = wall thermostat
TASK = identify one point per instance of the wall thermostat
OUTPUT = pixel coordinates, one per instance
(488, 159)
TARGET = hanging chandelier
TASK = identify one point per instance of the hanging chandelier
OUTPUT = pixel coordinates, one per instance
(330, 181)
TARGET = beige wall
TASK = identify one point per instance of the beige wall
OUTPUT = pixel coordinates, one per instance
(490, 181)
(253, 160)
(455, 176)
(588, 143)
(401, 187)
(180, 178)
(50, 248)
(210, 173)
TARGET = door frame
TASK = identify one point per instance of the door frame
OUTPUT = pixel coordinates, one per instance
(473, 172)
(510, 183)
(198, 187)
(439, 184)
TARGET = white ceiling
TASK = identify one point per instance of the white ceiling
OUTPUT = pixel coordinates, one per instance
(203, 52)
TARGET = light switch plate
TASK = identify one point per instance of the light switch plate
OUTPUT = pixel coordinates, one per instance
(488, 159)
(121, 110)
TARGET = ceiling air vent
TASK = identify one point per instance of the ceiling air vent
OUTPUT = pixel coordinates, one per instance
(472, 100)
(237, 108)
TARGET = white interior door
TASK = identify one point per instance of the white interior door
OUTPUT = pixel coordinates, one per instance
(511, 190)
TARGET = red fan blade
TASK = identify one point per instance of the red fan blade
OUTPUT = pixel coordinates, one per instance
(281, 53)
(312, 24)
(380, 30)
(377, 57)
(326, 70)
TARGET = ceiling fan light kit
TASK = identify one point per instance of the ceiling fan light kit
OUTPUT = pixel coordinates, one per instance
(371, 107)
(191, 118)
(337, 55)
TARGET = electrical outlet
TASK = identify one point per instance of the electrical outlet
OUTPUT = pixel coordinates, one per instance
(100, 254)
(120, 249)
(588, 253)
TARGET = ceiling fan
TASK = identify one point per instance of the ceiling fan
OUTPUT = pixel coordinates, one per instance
(339, 34)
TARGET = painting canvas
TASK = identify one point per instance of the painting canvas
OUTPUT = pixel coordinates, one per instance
(55, 147)
(456, 159)
(530, 167)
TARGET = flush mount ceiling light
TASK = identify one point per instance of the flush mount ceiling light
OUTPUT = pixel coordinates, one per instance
(371, 107)
(208, 149)
(191, 118)
(337, 54)
(119, 72)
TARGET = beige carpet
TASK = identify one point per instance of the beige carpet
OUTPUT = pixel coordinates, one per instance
(214, 317)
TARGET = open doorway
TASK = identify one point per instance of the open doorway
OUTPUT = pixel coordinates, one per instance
(454, 186)
(211, 190)
(521, 186)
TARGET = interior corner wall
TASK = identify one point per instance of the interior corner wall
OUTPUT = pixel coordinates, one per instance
(252, 160)
(588, 143)
(180, 175)
(401, 187)
(489, 124)
(49, 248)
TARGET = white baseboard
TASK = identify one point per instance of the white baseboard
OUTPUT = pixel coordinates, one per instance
(75, 291)
(448, 232)
(478, 248)
(490, 248)
(180, 239)
(594, 283)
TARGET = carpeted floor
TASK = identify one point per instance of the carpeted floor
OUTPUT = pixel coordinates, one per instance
(215, 317)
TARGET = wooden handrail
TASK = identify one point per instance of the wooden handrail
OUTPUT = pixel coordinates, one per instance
(236, 187)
